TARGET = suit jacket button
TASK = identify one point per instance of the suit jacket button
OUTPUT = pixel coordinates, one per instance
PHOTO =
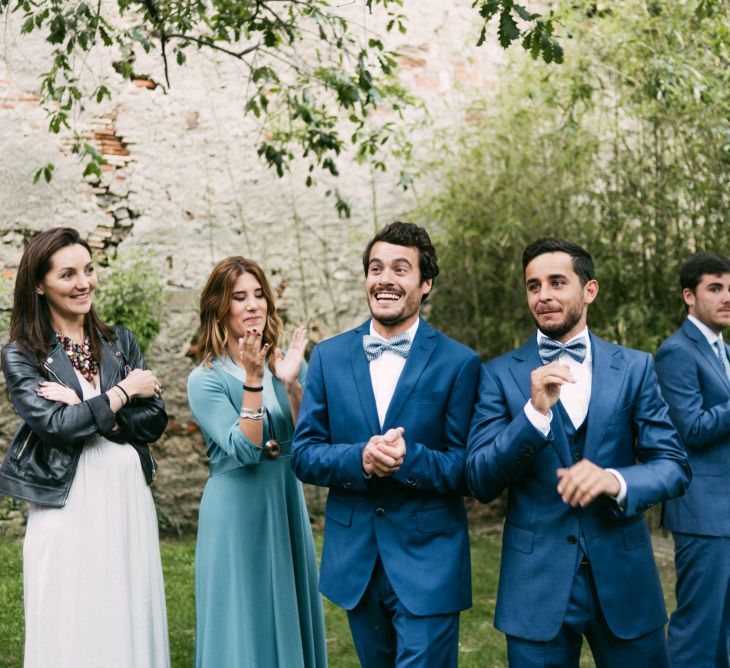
(572, 539)
(380, 512)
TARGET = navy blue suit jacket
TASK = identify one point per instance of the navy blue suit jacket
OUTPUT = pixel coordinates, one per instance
(416, 518)
(628, 430)
(697, 390)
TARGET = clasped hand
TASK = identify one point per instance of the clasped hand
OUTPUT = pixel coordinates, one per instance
(582, 483)
(545, 382)
(383, 455)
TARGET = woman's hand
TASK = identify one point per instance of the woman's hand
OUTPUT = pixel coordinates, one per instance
(141, 383)
(288, 367)
(252, 356)
(58, 392)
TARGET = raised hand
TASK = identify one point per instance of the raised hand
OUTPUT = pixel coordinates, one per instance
(252, 355)
(57, 392)
(545, 385)
(288, 366)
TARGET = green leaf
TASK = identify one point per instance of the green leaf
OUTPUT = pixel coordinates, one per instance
(508, 30)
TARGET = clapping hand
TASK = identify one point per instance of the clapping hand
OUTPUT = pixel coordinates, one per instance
(288, 366)
(383, 455)
(57, 392)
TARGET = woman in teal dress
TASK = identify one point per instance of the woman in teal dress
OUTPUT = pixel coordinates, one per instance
(257, 601)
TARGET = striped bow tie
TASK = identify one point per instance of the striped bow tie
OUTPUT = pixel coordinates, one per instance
(375, 346)
(550, 349)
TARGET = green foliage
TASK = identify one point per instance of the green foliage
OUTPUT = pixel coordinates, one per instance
(624, 149)
(313, 81)
(130, 294)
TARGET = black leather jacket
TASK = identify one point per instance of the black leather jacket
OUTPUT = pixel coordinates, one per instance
(41, 461)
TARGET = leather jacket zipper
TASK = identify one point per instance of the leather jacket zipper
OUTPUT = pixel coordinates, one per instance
(23, 447)
(53, 373)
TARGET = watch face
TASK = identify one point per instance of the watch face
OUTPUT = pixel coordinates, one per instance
(272, 449)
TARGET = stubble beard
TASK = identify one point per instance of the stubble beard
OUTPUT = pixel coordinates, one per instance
(560, 329)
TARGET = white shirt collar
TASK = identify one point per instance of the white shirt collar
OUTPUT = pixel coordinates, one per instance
(411, 331)
(706, 331)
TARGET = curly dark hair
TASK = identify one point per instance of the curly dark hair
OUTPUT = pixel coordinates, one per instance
(407, 234)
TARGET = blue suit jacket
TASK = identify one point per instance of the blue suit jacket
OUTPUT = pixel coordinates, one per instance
(416, 518)
(628, 430)
(698, 393)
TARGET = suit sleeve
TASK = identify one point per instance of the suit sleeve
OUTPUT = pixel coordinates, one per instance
(698, 426)
(315, 459)
(500, 444)
(441, 469)
(662, 471)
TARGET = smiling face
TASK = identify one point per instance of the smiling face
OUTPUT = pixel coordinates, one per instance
(248, 308)
(710, 302)
(558, 302)
(69, 285)
(393, 287)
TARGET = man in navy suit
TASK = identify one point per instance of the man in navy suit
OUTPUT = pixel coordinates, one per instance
(383, 423)
(694, 375)
(576, 430)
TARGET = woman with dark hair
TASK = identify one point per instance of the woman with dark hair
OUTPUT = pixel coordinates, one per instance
(257, 601)
(91, 560)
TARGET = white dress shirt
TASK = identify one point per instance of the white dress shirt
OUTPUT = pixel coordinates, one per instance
(385, 372)
(575, 397)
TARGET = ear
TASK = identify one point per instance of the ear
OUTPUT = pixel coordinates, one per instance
(426, 287)
(689, 297)
(590, 291)
(39, 289)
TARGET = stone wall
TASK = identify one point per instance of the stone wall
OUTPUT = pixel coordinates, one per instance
(183, 180)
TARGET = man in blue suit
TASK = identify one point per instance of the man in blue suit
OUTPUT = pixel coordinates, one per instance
(576, 430)
(383, 423)
(694, 375)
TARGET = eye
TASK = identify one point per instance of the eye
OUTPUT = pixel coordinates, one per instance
(90, 270)
(259, 294)
(67, 274)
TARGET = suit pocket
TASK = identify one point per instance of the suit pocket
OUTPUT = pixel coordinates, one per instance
(441, 519)
(425, 397)
(339, 512)
(636, 535)
(522, 540)
(621, 415)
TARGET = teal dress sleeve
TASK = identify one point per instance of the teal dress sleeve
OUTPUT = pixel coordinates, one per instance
(217, 416)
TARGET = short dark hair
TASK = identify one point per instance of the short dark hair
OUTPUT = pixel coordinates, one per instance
(700, 264)
(407, 234)
(582, 260)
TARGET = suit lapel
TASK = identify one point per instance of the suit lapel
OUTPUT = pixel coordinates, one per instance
(363, 382)
(705, 350)
(527, 359)
(609, 369)
(422, 348)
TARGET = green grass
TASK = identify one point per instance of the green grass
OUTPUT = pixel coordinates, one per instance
(480, 645)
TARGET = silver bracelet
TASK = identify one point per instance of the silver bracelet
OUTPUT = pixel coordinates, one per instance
(252, 413)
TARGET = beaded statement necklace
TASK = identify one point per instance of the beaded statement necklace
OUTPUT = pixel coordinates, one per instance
(80, 356)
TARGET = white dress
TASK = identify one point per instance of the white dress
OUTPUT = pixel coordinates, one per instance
(94, 596)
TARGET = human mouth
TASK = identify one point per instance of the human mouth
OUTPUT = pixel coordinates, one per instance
(385, 297)
(82, 298)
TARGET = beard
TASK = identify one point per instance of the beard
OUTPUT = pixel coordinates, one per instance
(557, 330)
(409, 307)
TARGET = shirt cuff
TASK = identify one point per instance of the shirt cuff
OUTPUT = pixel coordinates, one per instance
(620, 498)
(538, 420)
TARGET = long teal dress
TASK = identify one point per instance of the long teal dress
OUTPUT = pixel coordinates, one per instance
(257, 601)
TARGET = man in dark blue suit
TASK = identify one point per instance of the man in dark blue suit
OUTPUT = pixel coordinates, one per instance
(576, 430)
(383, 423)
(694, 375)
